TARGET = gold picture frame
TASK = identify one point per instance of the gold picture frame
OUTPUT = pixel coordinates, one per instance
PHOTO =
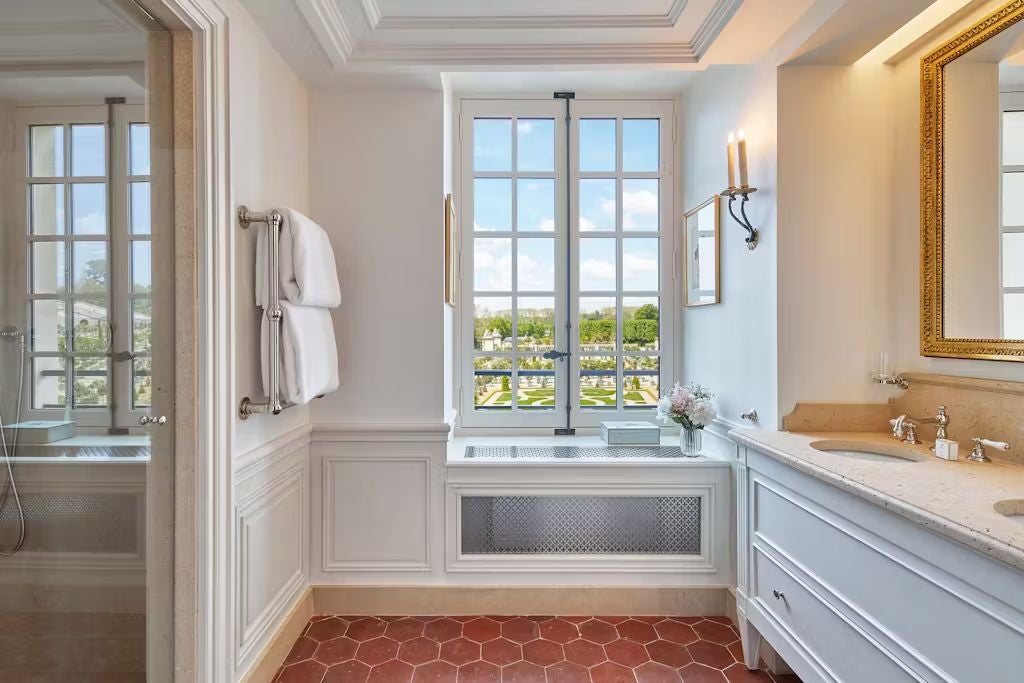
(451, 251)
(933, 340)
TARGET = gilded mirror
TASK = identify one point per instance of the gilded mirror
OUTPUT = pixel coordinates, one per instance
(702, 260)
(972, 191)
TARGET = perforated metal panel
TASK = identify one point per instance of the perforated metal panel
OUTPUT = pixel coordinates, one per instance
(76, 523)
(581, 525)
(569, 452)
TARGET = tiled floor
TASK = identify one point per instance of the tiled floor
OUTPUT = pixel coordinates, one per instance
(519, 649)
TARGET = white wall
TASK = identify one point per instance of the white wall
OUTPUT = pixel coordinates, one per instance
(376, 179)
(731, 347)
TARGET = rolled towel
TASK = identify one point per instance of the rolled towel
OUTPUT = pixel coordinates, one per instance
(308, 272)
(309, 354)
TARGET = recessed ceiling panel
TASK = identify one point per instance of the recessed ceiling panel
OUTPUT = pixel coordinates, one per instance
(521, 8)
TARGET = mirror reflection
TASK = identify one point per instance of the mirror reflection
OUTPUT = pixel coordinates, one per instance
(702, 261)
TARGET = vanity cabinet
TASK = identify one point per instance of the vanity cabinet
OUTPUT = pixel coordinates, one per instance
(846, 590)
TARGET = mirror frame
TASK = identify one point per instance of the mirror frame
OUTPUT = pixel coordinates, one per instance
(933, 342)
(718, 251)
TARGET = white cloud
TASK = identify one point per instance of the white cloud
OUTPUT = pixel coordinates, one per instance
(597, 275)
(639, 210)
(492, 265)
(524, 127)
(639, 272)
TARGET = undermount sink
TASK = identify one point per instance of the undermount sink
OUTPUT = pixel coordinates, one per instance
(867, 451)
(1013, 508)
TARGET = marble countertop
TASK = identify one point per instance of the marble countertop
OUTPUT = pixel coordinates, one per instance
(954, 499)
(457, 453)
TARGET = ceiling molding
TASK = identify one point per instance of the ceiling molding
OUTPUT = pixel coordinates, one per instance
(526, 55)
(327, 24)
(713, 24)
(378, 22)
(60, 28)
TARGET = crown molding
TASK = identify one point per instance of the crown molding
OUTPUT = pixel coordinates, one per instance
(371, 10)
(713, 24)
(328, 25)
(526, 55)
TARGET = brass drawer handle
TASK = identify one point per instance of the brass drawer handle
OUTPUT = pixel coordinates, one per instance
(779, 595)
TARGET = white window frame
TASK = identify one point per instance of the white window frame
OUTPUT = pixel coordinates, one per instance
(1008, 101)
(567, 372)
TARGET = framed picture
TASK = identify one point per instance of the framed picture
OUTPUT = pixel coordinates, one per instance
(702, 262)
(451, 251)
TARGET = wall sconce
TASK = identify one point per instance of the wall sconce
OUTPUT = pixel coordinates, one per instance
(744, 190)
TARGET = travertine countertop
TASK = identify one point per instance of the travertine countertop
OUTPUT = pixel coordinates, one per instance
(954, 499)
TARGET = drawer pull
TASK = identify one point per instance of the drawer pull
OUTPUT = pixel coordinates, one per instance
(779, 595)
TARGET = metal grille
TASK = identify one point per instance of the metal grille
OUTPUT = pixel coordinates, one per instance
(76, 523)
(570, 452)
(581, 525)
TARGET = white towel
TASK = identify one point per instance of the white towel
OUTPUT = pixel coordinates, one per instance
(309, 354)
(309, 275)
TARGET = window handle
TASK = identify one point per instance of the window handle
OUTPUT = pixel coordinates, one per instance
(555, 355)
(155, 421)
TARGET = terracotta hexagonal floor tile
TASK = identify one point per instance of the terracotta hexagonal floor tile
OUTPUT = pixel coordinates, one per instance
(542, 652)
(435, 672)
(584, 653)
(698, 673)
(738, 673)
(686, 620)
(352, 671)
(652, 672)
(327, 629)
(610, 672)
(501, 617)
(377, 651)
(612, 620)
(567, 672)
(649, 620)
(481, 630)
(404, 629)
(576, 619)
(559, 630)
(721, 620)
(501, 652)
(626, 653)
(443, 629)
(391, 672)
(676, 632)
(302, 649)
(479, 672)
(637, 631)
(460, 651)
(336, 651)
(598, 632)
(715, 632)
(712, 654)
(418, 651)
(522, 672)
(736, 650)
(366, 628)
(303, 672)
(520, 630)
(670, 654)
(463, 617)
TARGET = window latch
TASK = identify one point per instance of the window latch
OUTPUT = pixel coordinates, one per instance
(555, 355)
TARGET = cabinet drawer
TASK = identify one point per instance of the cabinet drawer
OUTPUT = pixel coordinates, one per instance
(820, 631)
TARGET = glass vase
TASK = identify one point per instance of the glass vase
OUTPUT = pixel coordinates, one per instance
(689, 442)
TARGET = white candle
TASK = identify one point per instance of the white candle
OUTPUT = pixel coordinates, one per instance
(743, 158)
(731, 158)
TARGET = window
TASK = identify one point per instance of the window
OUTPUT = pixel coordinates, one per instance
(1012, 215)
(576, 260)
(86, 226)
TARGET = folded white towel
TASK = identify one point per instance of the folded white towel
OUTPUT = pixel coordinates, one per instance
(309, 275)
(309, 354)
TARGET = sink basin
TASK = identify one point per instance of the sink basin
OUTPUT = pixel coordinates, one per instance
(868, 451)
(1012, 508)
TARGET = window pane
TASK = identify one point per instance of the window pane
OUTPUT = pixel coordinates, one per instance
(492, 265)
(492, 383)
(140, 209)
(91, 331)
(597, 265)
(48, 326)
(640, 381)
(47, 209)
(492, 144)
(46, 148)
(598, 386)
(138, 134)
(90, 267)
(89, 208)
(492, 204)
(1013, 138)
(640, 323)
(535, 383)
(535, 267)
(597, 204)
(49, 383)
(597, 324)
(1013, 199)
(142, 325)
(48, 267)
(90, 377)
(640, 264)
(640, 204)
(640, 145)
(142, 383)
(492, 323)
(597, 145)
(142, 267)
(706, 265)
(535, 145)
(535, 204)
(535, 324)
(1013, 316)
(88, 150)
(1013, 259)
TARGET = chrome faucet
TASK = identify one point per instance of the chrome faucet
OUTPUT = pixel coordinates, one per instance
(941, 422)
(905, 430)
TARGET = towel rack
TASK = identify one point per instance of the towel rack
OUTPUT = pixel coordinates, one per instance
(274, 313)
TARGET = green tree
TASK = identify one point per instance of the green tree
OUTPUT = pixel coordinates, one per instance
(505, 384)
(647, 312)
